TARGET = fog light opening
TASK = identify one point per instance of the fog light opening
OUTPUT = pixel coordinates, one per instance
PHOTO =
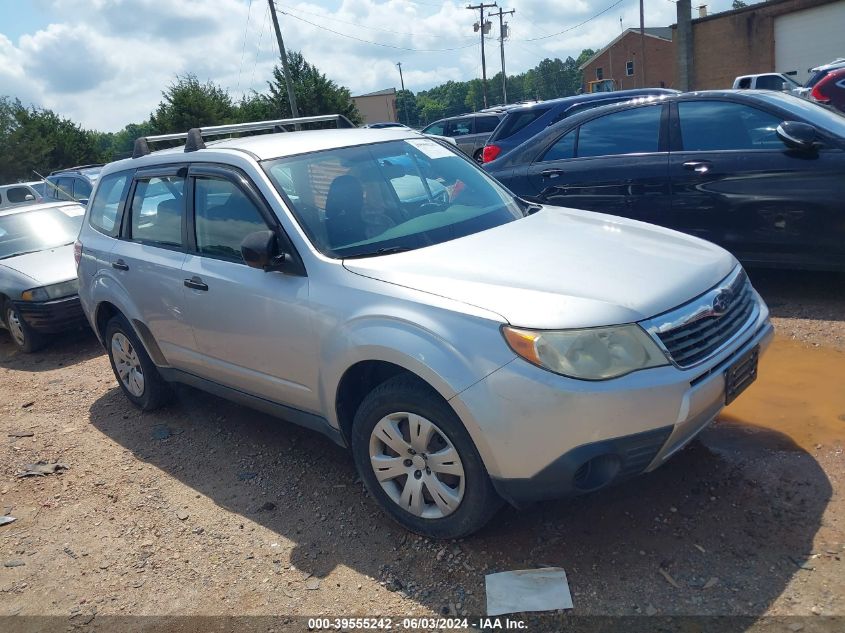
(596, 472)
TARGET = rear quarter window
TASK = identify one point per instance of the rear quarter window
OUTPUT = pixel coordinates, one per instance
(516, 121)
(107, 205)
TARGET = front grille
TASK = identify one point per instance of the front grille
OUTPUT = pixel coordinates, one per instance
(706, 331)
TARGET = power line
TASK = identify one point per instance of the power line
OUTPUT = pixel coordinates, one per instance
(258, 47)
(572, 28)
(364, 26)
(359, 39)
(243, 47)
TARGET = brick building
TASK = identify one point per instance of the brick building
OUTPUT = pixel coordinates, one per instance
(787, 36)
(620, 60)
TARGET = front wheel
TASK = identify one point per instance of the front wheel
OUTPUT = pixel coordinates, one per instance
(418, 461)
(24, 337)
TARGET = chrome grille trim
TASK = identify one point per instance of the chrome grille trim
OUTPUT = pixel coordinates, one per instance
(693, 333)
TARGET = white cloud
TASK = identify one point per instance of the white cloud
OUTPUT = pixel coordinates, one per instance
(104, 63)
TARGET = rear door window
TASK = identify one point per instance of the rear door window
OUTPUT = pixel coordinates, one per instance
(64, 188)
(563, 148)
(81, 189)
(459, 127)
(17, 195)
(157, 206)
(634, 131)
(105, 206)
(484, 124)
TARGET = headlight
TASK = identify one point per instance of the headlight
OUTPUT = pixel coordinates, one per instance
(55, 291)
(590, 354)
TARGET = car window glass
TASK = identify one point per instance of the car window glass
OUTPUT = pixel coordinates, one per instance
(485, 124)
(81, 189)
(438, 128)
(105, 205)
(632, 131)
(770, 82)
(157, 210)
(744, 83)
(64, 188)
(224, 216)
(459, 127)
(515, 121)
(16, 195)
(722, 125)
(563, 148)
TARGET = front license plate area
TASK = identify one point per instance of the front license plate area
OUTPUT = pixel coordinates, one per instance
(741, 374)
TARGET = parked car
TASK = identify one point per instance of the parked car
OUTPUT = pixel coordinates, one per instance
(520, 124)
(818, 73)
(760, 173)
(766, 81)
(470, 131)
(17, 195)
(467, 346)
(74, 184)
(38, 287)
(830, 90)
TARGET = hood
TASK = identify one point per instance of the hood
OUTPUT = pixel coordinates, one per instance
(46, 267)
(561, 268)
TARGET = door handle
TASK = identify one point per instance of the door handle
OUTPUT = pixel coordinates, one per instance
(120, 265)
(552, 173)
(196, 283)
(698, 166)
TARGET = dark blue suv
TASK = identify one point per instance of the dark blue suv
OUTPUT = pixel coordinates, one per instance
(523, 122)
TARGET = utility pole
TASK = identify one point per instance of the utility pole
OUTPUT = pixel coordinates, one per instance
(503, 28)
(288, 81)
(483, 29)
(401, 79)
(642, 43)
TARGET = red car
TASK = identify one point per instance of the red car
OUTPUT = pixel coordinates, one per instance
(830, 90)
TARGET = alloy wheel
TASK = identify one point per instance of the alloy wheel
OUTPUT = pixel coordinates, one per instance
(127, 364)
(417, 465)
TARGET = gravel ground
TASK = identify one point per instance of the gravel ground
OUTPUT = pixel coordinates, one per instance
(209, 508)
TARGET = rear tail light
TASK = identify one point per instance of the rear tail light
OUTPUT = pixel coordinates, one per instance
(490, 153)
(817, 95)
(77, 252)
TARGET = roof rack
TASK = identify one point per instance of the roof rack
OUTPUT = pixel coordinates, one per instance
(194, 136)
(76, 168)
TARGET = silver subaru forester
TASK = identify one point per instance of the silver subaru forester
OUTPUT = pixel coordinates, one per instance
(378, 287)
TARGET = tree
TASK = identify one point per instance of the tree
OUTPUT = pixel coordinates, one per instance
(738, 4)
(406, 108)
(315, 93)
(187, 103)
(36, 139)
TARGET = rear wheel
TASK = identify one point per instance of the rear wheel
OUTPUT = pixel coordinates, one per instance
(135, 371)
(24, 337)
(418, 461)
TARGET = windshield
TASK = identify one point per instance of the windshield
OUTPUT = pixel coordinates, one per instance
(32, 231)
(385, 197)
(813, 113)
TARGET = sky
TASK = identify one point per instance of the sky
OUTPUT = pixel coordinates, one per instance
(104, 63)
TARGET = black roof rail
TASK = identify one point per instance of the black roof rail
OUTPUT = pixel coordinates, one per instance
(194, 138)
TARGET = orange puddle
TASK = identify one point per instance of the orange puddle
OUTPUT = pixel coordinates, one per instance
(799, 391)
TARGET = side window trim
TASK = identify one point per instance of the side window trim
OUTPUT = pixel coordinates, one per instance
(146, 173)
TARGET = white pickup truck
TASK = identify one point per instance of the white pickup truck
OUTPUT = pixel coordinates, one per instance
(766, 81)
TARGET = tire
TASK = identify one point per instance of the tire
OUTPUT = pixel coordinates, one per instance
(24, 337)
(444, 505)
(135, 372)
(478, 157)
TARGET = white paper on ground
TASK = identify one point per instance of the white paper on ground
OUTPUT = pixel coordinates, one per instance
(543, 589)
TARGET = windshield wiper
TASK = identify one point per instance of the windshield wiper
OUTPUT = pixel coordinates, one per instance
(382, 251)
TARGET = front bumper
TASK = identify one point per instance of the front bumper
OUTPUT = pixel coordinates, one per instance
(544, 436)
(51, 317)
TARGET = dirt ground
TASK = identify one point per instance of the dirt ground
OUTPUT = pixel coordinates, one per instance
(208, 508)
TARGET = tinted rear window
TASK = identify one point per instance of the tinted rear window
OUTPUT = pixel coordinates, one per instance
(515, 121)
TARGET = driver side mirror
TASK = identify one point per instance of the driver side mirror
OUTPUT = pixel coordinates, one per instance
(261, 250)
(29, 198)
(797, 135)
